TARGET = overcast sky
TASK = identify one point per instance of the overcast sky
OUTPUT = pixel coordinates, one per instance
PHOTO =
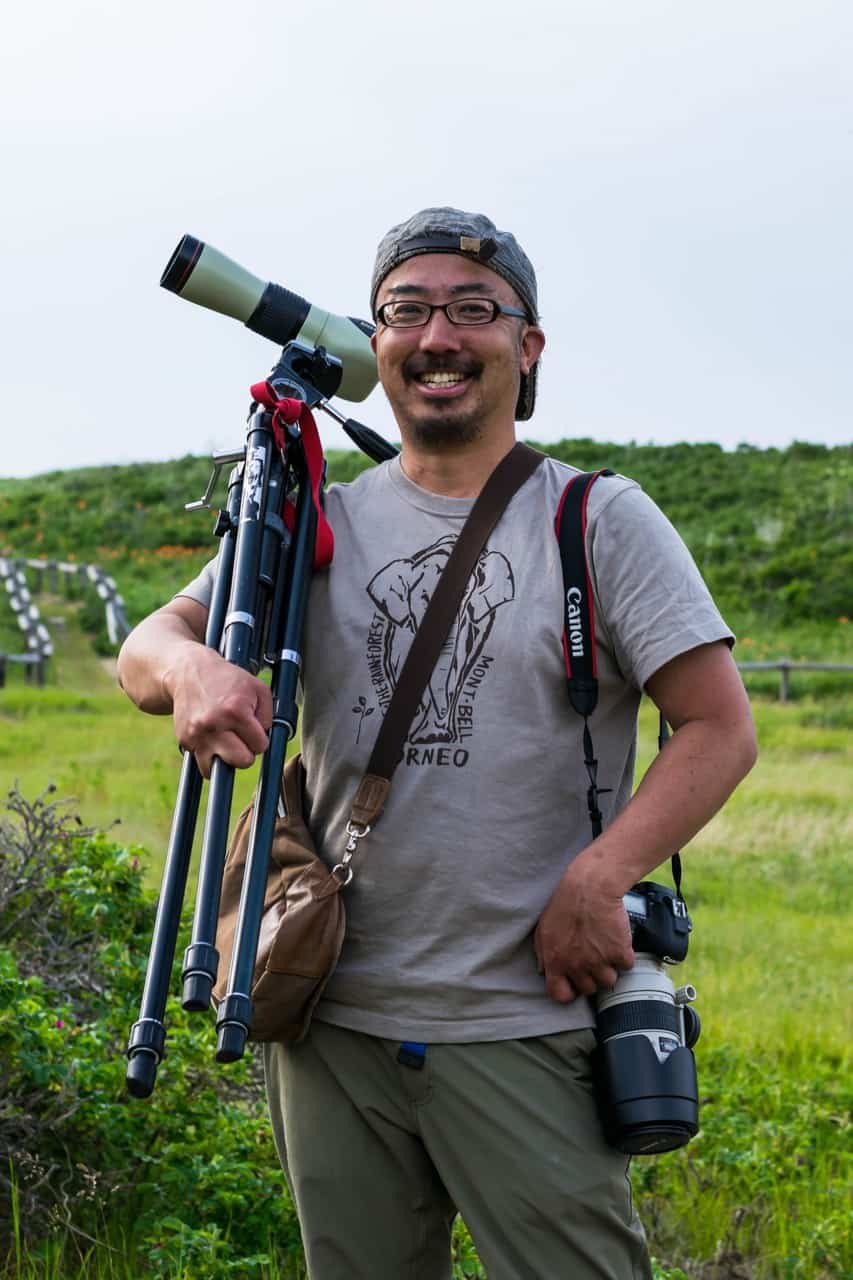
(678, 172)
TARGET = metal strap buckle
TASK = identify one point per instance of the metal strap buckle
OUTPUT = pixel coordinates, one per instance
(342, 870)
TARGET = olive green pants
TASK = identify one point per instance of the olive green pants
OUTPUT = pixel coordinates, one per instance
(380, 1157)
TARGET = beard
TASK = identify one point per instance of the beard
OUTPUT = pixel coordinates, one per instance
(443, 425)
(445, 430)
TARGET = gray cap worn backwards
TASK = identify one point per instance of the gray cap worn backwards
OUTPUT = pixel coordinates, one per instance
(473, 236)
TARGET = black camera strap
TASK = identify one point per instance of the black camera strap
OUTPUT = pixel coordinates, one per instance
(675, 861)
(579, 635)
(579, 623)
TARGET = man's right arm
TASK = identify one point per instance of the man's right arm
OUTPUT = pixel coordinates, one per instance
(219, 710)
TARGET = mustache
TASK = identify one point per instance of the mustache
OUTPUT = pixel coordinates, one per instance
(420, 363)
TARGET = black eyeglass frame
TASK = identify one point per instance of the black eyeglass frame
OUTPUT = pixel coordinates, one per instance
(497, 310)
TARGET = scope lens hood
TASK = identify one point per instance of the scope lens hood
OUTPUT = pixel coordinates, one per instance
(180, 266)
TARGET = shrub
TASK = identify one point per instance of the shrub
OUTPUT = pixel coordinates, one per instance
(193, 1169)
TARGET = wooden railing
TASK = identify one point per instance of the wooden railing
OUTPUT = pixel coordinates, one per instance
(786, 665)
(33, 663)
(47, 574)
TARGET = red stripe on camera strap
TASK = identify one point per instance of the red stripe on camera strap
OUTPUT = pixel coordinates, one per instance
(286, 410)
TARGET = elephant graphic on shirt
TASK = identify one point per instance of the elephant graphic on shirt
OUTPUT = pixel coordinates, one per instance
(402, 590)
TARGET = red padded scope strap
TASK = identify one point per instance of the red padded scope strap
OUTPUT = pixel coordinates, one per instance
(290, 410)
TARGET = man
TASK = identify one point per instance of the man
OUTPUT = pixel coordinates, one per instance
(482, 916)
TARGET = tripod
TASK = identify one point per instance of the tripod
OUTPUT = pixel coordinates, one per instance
(268, 547)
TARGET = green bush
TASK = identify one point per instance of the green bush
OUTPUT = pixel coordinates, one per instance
(193, 1169)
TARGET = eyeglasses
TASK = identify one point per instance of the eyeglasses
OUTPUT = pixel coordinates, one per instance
(465, 311)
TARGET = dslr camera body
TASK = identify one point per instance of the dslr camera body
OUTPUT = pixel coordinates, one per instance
(644, 1065)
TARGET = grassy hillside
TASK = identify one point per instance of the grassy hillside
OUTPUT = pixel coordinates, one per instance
(772, 530)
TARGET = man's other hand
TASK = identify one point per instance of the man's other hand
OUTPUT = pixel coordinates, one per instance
(583, 938)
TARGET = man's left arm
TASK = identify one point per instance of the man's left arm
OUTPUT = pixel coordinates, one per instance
(583, 938)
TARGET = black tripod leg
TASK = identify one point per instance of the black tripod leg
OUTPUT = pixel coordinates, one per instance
(148, 1034)
(234, 1017)
(262, 481)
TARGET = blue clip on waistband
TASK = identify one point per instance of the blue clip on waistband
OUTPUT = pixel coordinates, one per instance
(411, 1054)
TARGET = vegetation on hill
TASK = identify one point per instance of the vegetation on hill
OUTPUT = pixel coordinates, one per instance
(770, 529)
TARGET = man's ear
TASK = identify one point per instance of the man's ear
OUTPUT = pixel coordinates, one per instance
(532, 346)
(373, 342)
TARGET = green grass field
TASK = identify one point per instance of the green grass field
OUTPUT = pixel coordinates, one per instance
(762, 1193)
(81, 734)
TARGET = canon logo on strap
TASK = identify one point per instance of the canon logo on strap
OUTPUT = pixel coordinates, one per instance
(574, 599)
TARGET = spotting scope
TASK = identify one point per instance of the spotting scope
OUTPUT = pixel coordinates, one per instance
(198, 272)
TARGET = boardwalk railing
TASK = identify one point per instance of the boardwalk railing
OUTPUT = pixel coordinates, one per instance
(89, 576)
(786, 665)
(40, 647)
(35, 635)
(33, 663)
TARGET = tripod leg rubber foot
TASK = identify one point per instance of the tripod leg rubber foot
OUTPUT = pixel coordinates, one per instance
(198, 974)
(141, 1074)
(232, 1025)
(195, 993)
(231, 1042)
(144, 1052)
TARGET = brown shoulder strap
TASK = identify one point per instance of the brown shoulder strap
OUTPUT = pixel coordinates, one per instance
(506, 479)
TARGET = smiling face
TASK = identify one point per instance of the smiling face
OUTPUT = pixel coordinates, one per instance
(449, 384)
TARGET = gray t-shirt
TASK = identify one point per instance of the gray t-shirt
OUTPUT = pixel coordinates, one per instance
(488, 805)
